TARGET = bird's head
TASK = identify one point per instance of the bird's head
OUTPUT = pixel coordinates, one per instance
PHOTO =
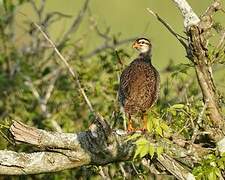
(143, 45)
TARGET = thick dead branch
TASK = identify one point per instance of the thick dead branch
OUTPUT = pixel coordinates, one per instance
(198, 48)
(99, 145)
(175, 168)
(198, 32)
(13, 163)
(190, 18)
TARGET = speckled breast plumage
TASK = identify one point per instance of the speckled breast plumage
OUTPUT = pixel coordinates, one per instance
(139, 86)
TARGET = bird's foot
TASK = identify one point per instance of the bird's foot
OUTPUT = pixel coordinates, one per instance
(133, 130)
(143, 130)
(130, 129)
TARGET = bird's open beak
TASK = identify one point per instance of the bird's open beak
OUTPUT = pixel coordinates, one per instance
(135, 45)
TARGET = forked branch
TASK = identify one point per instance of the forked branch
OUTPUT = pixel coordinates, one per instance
(197, 31)
(99, 145)
(72, 71)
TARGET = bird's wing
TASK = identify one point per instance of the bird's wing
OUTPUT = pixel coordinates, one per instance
(124, 89)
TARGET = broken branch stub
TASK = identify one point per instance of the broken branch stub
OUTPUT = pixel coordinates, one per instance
(198, 32)
(190, 18)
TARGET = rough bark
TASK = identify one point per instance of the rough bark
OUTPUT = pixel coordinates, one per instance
(204, 75)
(190, 18)
(13, 163)
(99, 145)
(63, 150)
(198, 32)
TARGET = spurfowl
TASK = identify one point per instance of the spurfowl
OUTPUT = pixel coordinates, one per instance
(139, 84)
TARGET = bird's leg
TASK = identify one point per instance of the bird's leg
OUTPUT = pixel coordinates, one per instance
(145, 120)
(130, 127)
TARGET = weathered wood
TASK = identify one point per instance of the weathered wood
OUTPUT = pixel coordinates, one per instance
(198, 32)
(99, 145)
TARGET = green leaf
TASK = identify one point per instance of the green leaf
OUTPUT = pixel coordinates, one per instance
(178, 106)
(159, 150)
(212, 176)
(217, 172)
(223, 154)
(164, 126)
(220, 164)
(172, 111)
(141, 150)
(138, 151)
(211, 157)
(134, 136)
(155, 122)
(158, 130)
(151, 150)
(144, 150)
(142, 141)
(150, 126)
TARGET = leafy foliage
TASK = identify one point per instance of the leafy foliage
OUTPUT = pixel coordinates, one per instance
(156, 127)
(144, 147)
(36, 88)
(211, 167)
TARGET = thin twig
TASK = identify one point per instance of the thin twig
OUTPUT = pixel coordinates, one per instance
(218, 51)
(118, 57)
(171, 30)
(34, 91)
(75, 25)
(215, 6)
(73, 28)
(71, 71)
(123, 170)
(43, 100)
(105, 46)
(5, 137)
(221, 41)
(93, 22)
(136, 171)
(50, 89)
(49, 76)
(39, 10)
(102, 174)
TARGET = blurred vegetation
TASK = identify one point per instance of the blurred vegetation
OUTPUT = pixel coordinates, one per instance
(37, 89)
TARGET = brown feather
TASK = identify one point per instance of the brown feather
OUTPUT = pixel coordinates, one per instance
(139, 85)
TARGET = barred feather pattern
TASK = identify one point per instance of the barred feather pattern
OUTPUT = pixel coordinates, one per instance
(139, 86)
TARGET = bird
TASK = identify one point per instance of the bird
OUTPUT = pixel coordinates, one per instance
(139, 84)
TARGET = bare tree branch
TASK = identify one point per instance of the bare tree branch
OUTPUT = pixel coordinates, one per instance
(99, 145)
(198, 30)
(72, 72)
(190, 18)
(106, 46)
(175, 168)
(13, 163)
(75, 25)
(43, 100)
(171, 30)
